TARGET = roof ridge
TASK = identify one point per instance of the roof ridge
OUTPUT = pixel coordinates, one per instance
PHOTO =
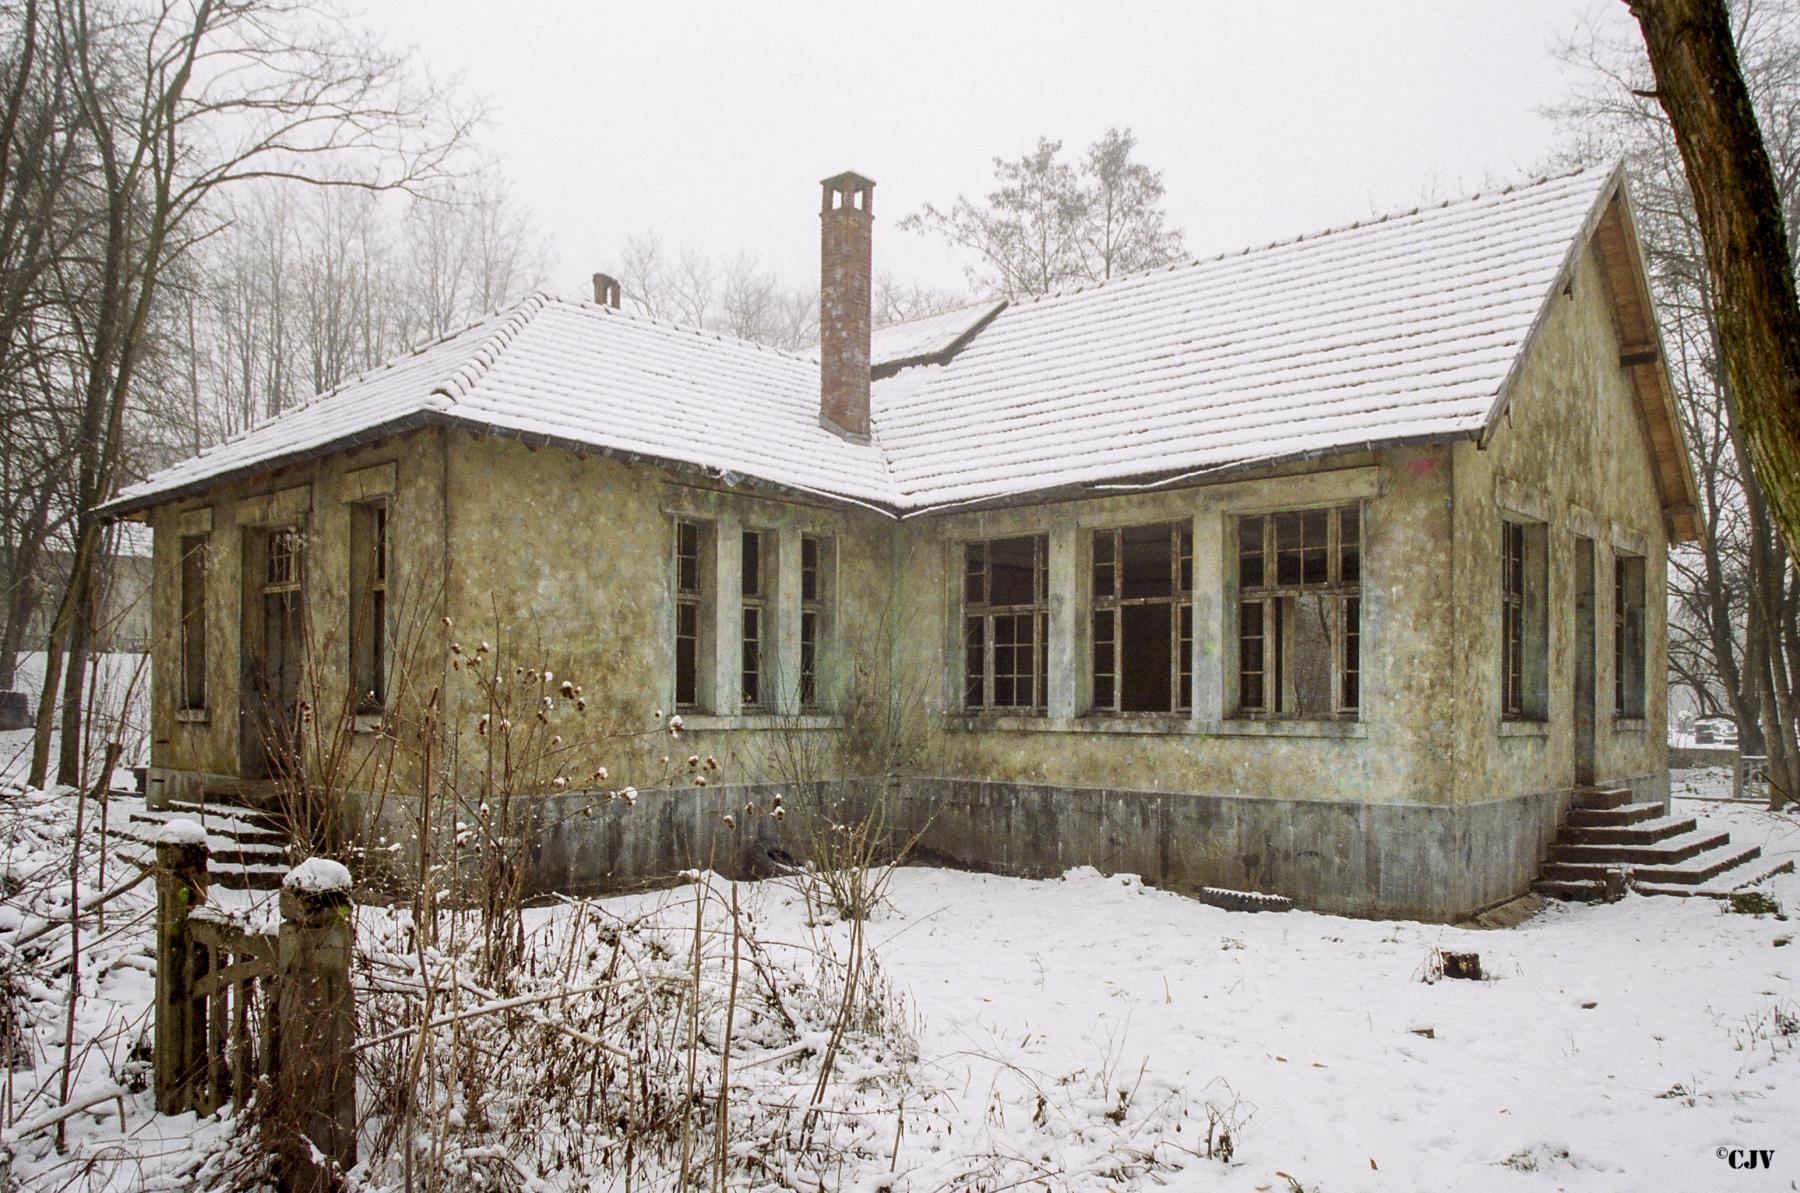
(1334, 230)
(586, 304)
(465, 377)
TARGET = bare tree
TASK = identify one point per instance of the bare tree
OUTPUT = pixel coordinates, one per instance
(176, 102)
(1049, 224)
(1734, 618)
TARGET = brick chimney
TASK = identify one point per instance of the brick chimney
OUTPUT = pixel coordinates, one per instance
(846, 221)
(606, 290)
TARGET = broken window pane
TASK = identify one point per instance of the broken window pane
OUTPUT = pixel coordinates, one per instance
(1250, 552)
(1306, 653)
(1012, 571)
(1147, 552)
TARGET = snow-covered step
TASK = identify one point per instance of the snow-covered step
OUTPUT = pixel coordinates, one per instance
(1721, 885)
(1602, 797)
(1660, 828)
(1700, 868)
(1624, 814)
(1654, 853)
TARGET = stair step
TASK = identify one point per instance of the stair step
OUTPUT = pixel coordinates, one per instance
(1722, 884)
(216, 822)
(237, 876)
(1699, 869)
(1626, 814)
(1655, 853)
(1602, 797)
(1642, 832)
(223, 807)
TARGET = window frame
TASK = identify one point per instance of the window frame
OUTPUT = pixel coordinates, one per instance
(370, 608)
(1271, 597)
(1630, 641)
(755, 631)
(192, 595)
(982, 612)
(1112, 604)
(1524, 627)
(818, 557)
(695, 603)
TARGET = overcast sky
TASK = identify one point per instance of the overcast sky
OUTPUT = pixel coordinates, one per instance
(712, 123)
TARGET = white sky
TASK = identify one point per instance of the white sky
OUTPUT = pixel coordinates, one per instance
(712, 123)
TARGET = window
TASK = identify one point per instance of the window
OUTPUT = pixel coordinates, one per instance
(816, 558)
(1300, 614)
(693, 607)
(1524, 625)
(1006, 624)
(1143, 619)
(193, 622)
(369, 605)
(1628, 635)
(757, 563)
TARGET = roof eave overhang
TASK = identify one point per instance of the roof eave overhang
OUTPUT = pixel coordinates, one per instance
(120, 509)
(1610, 226)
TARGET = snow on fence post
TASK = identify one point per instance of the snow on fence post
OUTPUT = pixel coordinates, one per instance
(179, 1041)
(315, 1069)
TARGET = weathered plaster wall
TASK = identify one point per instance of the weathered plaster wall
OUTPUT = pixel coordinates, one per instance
(566, 563)
(1391, 754)
(316, 498)
(1572, 446)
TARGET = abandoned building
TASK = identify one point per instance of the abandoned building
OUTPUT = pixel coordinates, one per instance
(1331, 569)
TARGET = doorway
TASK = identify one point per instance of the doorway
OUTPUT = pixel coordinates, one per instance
(1584, 661)
(273, 630)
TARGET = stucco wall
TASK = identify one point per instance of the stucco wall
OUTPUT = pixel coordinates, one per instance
(316, 498)
(1571, 449)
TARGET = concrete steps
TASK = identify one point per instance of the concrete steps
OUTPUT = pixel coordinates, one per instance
(1607, 835)
(246, 848)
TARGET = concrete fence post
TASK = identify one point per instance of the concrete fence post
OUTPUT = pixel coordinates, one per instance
(315, 1065)
(179, 1039)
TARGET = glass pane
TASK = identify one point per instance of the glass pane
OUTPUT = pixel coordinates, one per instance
(1307, 653)
(752, 576)
(1148, 561)
(1105, 569)
(1250, 552)
(1012, 571)
(1315, 563)
(809, 569)
(687, 554)
(1350, 544)
(975, 573)
(1145, 652)
(974, 665)
(1187, 559)
(1352, 653)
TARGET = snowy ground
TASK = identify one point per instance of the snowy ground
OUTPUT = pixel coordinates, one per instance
(1617, 1047)
(122, 698)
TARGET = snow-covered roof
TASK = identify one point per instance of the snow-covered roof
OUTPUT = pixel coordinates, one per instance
(1400, 329)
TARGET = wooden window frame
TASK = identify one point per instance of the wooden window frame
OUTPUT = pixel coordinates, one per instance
(1524, 620)
(194, 577)
(977, 631)
(369, 606)
(1264, 598)
(755, 634)
(818, 554)
(1107, 605)
(693, 582)
(1630, 646)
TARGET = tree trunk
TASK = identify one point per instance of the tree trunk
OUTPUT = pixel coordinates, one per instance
(1701, 88)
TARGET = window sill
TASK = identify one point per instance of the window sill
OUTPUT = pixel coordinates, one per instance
(1157, 726)
(1524, 729)
(1630, 725)
(368, 722)
(193, 716)
(702, 722)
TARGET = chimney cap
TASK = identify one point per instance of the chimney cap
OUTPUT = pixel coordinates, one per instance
(849, 180)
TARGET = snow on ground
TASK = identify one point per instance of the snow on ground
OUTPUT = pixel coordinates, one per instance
(123, 698)
(1611, 1047)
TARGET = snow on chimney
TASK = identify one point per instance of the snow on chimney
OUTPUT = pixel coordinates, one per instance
(606, 290)
(846, 221)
